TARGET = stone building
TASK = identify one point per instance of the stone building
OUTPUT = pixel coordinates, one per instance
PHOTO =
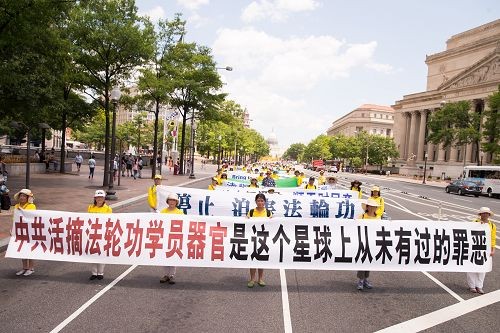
(469, 69)
(374, 119)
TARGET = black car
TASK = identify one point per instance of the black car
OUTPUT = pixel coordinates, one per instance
(463, 187)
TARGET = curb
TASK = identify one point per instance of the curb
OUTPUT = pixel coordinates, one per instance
(4, 243)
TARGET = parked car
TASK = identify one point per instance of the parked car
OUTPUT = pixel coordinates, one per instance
(463, 187)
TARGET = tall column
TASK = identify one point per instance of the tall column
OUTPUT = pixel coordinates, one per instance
(421, 135)
(453, 154)
(469, 154)
(430, 151)
(412, 138)
(441, 153)
(407, 135)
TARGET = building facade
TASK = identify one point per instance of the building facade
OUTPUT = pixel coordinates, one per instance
(468, 70)
(374, 119)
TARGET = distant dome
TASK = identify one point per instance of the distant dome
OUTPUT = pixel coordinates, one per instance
(272, 139)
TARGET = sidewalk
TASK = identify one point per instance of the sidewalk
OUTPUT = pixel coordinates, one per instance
(74, 192)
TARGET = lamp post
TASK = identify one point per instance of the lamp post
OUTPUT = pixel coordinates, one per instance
(426, 155)
(193, 132)
(219, 138)
(115, 96)
(227, 68)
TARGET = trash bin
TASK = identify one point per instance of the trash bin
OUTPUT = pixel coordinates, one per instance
(176, 169)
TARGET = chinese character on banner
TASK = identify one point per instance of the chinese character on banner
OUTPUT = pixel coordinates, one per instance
(403, 247)
(38, 234)
(94, 236)
(135, 244)
(204, 206)
(112, 237)
(363, 248)
(292, 208)
(196, 240)
(346, 210)
(153, 235)
(301, 248)
(344, 240)
(281, 236)
(259, 244)
(479, 255)
(218, 234)
(442, 247)
(422, 244)
(384, 244)
(460, 246)
(322, 240)
(270, 205)
(239, 242)
(175, 239)
(74, 236)
(320, 209)
(240, 207)
(22, 232)
(56, 239)
(184, 202)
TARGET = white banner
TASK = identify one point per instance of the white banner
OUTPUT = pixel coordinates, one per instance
(341, 204)
(205, 241)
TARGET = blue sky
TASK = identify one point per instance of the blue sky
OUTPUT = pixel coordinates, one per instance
(301, 64)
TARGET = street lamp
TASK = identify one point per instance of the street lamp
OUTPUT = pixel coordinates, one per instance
(426, 155)
(219, 138)
(227, 68)
(115, 97)
(193, 132)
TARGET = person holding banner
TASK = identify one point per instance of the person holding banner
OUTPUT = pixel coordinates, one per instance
(260, 177)
(322, 178)
(222, 178)
(356, 186)
(253, 183)
(375, 195)
(310, 185)
(172, 202)
(259, 211)
(99, 206)
(214, 184)
(370, 213)
(299, 178)
(331, 183)
(152, 193)
(475, 280)
(24, 200)
(268, 181)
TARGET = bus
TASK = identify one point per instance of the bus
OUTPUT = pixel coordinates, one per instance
(487, 176)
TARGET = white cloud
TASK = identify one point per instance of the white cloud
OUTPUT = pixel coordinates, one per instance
(277, 10)
(193, 4)
(197, 20)
(155, 13)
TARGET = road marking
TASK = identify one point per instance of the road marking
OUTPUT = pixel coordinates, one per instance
(439, 283)
(92, 300)
(445, 314)
(287, 321)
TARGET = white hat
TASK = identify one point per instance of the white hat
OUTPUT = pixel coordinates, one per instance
(24, 191)
(485, 210)
(370, 202)
(99, 193)
(172, 196)
(376, 188)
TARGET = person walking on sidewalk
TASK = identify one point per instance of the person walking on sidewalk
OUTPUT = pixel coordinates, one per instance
(24, 200)
(152, 201)
(135, 168)
(99, 206)
(475, 280)
(172, 202)
(370, 213)
(91, 166)
(78, 161)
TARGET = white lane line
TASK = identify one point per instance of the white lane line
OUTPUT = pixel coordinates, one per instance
(445, 314)
(92, 300)
(439, 283)
(287, 321)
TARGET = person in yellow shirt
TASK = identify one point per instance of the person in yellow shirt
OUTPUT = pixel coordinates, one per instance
(259, 211)
(275, 175)
(370, 213)
(310, 185)
(253, 183)
(25, 200)
(222, 178)
(322, 178)
(260, 177)
(375, 195)
(213, 184)
(356, 186)
(99, 206)
(172, 202)
(152, 193)
(475, 280)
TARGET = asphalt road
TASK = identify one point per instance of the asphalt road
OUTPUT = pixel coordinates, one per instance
(131, 299)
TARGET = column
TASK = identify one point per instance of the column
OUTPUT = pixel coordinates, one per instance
(441, 151)
(469, 154)
(453, 154)
(406, 136)
(412, 138)
(430, 151)
(421, 135)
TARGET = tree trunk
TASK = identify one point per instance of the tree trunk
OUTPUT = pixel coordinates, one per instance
(63, 144)
(184, 120)
(155, 140)
(105, 181)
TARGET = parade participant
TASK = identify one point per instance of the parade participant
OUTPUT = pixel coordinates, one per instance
(152, 193)
(259, 211)
(99, 206)
(24, 200)
(92, 164)
(172, 202)
(370, 213)
(214, 184)
(268, 181)
(310, 185)
(375, 195)
(275, 175)
(322, 178)
(222, 178)
(299, 179)
(78, 161)
(356, 186)
(260, 177)
(253, 183)
(475, 280)
(331, 183)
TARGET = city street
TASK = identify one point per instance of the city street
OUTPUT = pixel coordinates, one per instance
(131, 298)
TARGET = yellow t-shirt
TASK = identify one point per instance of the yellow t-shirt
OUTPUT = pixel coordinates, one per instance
(380, 209)
(174, 211)
(493, 228)
(299, 180)
(321, 180)
(104, 209)
(259, 178)
(254, 186)
(152, 196)
(360, 192)
(26, 206)
(211, 187)
(310, 187)
(364, 216)
(262, 213)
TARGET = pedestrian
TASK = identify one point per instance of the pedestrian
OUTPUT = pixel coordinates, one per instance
(116, 167)
(123, 164)
(78, 161)
(322, 178)
(268, 181)
(3, 169)
(259, 211)
(375, 195)
(170, 164)
(214, 184)
(36, 156)
(356, 186)
(475, 280)
(310, 184)
(135, 168)
(331, 183)
(130, 162)
(99, 206)
(152, 193)
(172, 202)
(253, 183)
(141, 165)
(92, 164)
(370, 213)
(25, 200)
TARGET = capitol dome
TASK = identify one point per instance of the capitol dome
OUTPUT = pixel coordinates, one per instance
(272, 140)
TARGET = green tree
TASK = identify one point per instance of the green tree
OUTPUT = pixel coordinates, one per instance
(294, 152)
(109, 41)
(318, 148)
(491, 131)
(93, 132)
(380, 149)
